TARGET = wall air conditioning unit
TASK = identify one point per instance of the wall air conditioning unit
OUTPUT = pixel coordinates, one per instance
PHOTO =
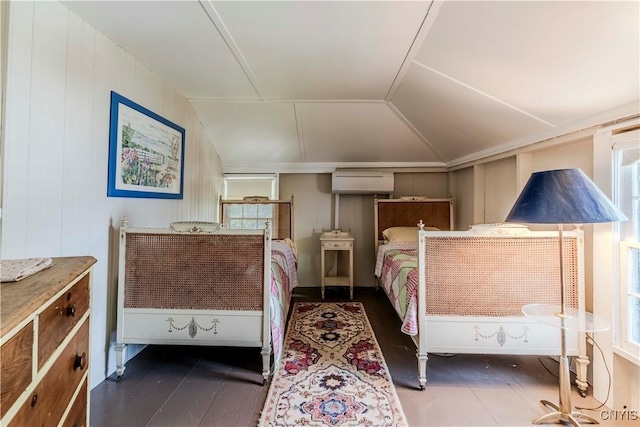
(362, 182)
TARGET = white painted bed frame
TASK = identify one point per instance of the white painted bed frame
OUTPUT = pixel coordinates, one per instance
(495, 335)
(205, 327)
(479, 334)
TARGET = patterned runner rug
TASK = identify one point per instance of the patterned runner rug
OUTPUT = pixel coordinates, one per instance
(332, 372)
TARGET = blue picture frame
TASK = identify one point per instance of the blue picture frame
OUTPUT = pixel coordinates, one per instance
(146, 153)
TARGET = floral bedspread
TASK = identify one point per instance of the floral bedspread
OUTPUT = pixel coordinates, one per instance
(398, 274)
(283, 280)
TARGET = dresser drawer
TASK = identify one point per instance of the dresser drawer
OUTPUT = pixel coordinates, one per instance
(16, 359)
(337, 245)
(51, 396)
(77, 416)
(60, 317)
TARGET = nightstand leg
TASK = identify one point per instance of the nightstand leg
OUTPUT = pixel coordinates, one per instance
(322, 272)
(351, 273)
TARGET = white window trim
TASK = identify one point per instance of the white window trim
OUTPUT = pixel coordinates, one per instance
(621, 346)
(238, 176)
(603, 263)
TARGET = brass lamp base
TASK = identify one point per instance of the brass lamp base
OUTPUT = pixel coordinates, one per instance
(571, 418)
(564, 410)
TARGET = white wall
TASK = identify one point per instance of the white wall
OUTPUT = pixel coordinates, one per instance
(60, 72)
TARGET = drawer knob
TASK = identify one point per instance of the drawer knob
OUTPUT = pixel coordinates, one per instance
(80, 361)
(34, 400)
(71, 310)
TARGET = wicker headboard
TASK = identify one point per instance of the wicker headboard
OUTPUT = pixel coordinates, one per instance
(279, 211)
(408, 211)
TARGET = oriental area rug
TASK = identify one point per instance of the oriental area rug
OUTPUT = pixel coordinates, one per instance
(332, 372)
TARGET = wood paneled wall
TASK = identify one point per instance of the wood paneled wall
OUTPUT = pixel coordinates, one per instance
(314, 208)
(500, 186)
(60, 72)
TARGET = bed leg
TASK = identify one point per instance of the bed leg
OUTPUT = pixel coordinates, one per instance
(120, 354)
(266, 358)
(581, 374)
(422, 369)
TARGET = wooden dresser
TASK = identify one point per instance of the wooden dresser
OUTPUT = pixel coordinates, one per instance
(44, 353)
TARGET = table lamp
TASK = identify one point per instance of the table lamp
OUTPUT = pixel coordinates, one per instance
(564, 196)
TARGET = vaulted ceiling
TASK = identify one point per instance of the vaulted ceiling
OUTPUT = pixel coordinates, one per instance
(313, 85)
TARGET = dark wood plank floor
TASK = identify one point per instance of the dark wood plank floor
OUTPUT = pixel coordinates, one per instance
(205, 386)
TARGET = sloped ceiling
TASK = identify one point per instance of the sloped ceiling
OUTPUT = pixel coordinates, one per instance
(314, 85)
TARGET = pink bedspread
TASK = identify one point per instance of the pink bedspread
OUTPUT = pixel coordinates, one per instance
(283, 279)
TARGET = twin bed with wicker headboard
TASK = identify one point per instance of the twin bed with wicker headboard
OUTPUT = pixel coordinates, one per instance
(463, 291)
(208, 284)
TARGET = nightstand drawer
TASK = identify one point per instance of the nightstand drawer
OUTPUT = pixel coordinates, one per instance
(60, 317)
(337, 245)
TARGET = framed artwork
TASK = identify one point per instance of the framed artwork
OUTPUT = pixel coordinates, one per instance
(146, 153)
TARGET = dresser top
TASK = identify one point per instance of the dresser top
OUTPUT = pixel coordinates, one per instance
(18, 300)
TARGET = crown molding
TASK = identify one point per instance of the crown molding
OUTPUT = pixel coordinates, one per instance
(561, 134)
(322, 167)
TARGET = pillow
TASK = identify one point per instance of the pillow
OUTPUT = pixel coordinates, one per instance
(404, 234)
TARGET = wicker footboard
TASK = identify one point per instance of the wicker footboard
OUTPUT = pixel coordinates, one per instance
(198, 286)
(496, 276)
(471, 290)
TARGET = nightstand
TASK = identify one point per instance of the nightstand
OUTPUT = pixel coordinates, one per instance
(336, 240)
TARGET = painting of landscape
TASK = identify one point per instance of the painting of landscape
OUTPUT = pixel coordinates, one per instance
(147, 153)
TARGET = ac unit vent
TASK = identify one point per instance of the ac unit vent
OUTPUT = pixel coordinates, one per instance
(362, 182)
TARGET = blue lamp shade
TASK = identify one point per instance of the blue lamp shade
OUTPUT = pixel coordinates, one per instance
(564, 196)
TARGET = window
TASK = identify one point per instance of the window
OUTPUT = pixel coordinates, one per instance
(626, 174)
(259, 189)
(250, 216)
